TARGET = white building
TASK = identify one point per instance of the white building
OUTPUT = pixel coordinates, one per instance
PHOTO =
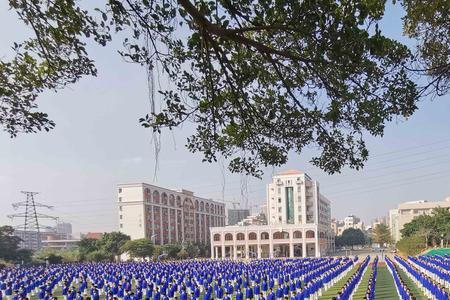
(298, 223)
(393, 224)
(353, 222)
(166, 216)
(407, 211)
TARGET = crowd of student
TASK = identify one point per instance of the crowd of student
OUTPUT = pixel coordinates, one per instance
(351, 284)
(402, 289)
(431, 288)
(437, 267)
(370, 292)
(265, 279)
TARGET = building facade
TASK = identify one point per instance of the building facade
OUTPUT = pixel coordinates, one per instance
(236, 215)
(298, 219)
(166, 216)
(353, 222)
(407, 211)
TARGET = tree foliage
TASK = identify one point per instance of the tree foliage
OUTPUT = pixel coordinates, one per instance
(99, 255)
(140, 248)
(381, 235)
(112, 242)
(258, 79)
(433, 228)
(183, 254)
(351, 237)
(411, 245)
(427, 22)
(9, 244)
(171, 250)
(107, 248)
(87, 245)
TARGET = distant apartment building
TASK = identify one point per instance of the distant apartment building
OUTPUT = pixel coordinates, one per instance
(166, 216)
(298, 223)
(378, 221)
(393, 224)
(236, 215)
(64, 229)
(353, 222)
(407, 211)
(337, 227)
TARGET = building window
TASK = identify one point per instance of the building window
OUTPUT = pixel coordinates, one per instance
(279, 209)
(120, 217)
(120, 190)
(279, 200)
(279, 219)
(121, 225)
(120, 199)
(120, 208)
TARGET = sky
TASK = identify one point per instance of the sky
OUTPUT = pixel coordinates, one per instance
(98, 143)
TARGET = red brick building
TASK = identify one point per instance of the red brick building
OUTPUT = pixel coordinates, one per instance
(166, 216)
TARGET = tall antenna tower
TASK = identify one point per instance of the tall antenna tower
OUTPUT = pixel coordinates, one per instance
(30, 230)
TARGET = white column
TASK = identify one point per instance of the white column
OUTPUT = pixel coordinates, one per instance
(161, 216)
(246, 246)
(222, 239)
(176, 224)
(234, 247)
(291, 243)
(303, 244)
(170, 231)
(270, 244)
(317, 244)
(213, 249)
(258, 244)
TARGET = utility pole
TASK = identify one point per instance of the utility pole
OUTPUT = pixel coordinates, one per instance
(30, 230)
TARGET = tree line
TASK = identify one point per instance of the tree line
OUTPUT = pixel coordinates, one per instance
(425, 231)
(108, 248)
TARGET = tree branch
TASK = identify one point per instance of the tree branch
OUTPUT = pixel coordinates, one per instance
(232, 34)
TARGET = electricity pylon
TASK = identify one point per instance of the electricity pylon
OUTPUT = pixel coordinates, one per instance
(30, 230)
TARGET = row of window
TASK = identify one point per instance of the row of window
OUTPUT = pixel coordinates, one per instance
(265, 235)
(171, 200)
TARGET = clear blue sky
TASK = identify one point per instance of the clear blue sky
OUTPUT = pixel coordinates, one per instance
(98, 143)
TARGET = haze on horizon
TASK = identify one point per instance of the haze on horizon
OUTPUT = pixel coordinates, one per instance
(98, 143)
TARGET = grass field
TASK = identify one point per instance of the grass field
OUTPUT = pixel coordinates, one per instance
(362, 288)
(331, 292)
(385, 286)
(411, 285)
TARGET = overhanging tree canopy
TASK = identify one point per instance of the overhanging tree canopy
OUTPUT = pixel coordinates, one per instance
(259, 79)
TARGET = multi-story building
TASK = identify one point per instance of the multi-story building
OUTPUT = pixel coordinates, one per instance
(407, 211)
(236, 215)
(64, 229)
(353, 222)
(166, 216)
(298, 217)
(393, 224)
(337, 227)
